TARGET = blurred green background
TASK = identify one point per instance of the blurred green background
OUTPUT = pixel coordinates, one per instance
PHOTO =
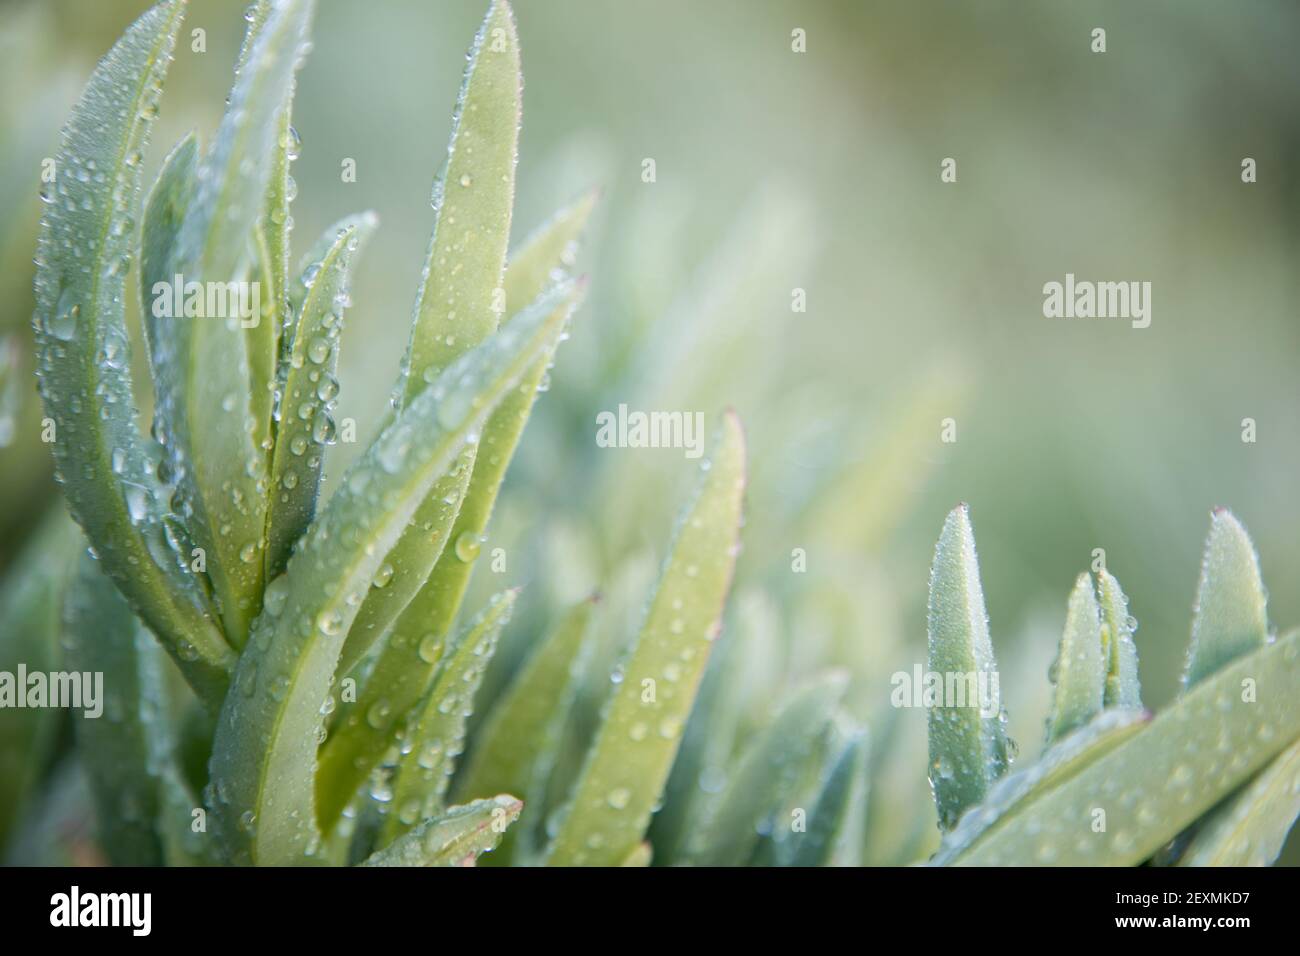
(779, 170)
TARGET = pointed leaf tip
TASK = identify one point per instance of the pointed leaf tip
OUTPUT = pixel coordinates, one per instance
(1123, 689)
(1079, 673)
(968, 748)
(1231, 616)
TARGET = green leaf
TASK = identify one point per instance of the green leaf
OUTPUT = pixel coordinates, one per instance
(435, 736)
(1123, 688)
(968, 749)
(1154, 784)
(641, 855)
(101, 639)
(1250, 829)
(765, 772)
(455, 839)
(461, 299)
(518, 745)
(264, 757)
(415, 641)
(473, 198)
(309, 391)
(1079, 672)
(1230, 617)
(211, 398)
(835, 828)
(84, 249)
(1061, 760)
(31, 605)
(164, 212)
(548, 253)
(634, 749)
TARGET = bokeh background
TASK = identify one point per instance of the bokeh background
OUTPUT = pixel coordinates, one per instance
(820, 171)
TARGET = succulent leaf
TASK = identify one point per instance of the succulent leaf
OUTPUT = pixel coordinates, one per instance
(1231, 615)
(436, 731)
(84, 248)
(1080, 668)
(264, 757)
(457, 838)
(1155, 783)
(968, 748)
(309, 391)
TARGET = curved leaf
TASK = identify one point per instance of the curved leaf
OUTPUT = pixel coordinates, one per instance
(164, 211)
(968, 748)
(213, 406)
(264, 756)
(84, 368)
(460, 300)
(305, 424)
(634, 749)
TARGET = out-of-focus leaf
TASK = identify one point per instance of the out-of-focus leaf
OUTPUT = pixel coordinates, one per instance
(309, 391)
(210, 400)
(403, 668)
(1079, 672)
(642, 855)
(31, 611)
(457, 838)
(518, 745)
(638, 739)
(1231, 617)
(1149, 787)
(264, 756)
(1251, 827)
(84, 250)
(100, 637)
(1123, 689)
(968, 748)
(764, 773)
(835, 834)
(436, 732)
(1063, 759)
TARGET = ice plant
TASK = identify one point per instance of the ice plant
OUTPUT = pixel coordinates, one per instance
(1211, 779)
(317, 640)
